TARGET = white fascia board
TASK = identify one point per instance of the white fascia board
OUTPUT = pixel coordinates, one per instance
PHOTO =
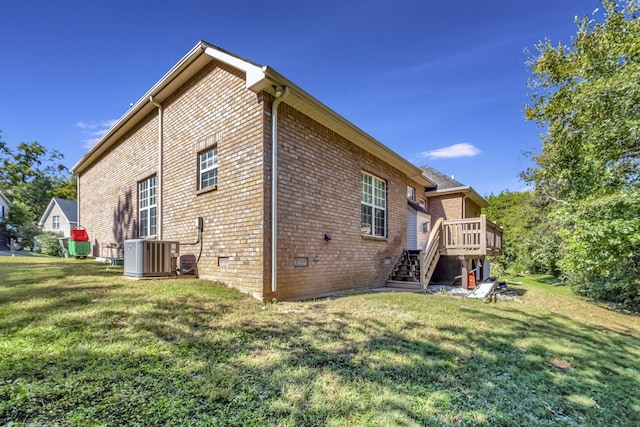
(254, 73)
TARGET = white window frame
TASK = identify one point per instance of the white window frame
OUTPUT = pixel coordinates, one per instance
(411, 193)
(208, 169)
(55, 222)
(373, 206)
(147, 207)
(423, 204)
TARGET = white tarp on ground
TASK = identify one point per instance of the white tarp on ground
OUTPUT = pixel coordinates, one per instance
(483, 290)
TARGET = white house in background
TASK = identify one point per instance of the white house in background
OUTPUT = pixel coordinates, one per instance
(5, 204)
(60, 216)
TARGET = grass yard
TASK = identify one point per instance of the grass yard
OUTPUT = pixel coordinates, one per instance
(81, 345)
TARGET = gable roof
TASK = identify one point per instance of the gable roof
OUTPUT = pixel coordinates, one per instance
(258, 78)
(448, 185)
(69, 209)
(5, 198)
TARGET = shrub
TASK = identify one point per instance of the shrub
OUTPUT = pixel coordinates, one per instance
(49, 244)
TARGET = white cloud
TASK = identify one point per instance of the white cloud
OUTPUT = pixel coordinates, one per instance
(94, 130)
(456, 150)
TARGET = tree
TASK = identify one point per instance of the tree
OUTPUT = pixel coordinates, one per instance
(32, 175)
(587, 97)
(530, 242)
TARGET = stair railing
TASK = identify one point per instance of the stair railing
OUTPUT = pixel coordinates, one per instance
(429, 252)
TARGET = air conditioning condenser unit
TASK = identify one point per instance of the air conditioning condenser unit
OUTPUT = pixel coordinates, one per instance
(150, 258)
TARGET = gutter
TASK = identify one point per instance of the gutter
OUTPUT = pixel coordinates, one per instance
(280, 93)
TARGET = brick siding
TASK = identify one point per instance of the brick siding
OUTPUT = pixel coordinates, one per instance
(319, 192)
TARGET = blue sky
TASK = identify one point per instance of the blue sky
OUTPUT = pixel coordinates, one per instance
(440, 83)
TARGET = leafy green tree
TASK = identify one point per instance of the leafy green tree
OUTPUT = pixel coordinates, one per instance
(32, 175)
(586, 95)
(530, 242)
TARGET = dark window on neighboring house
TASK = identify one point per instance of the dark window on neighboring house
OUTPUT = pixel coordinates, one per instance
(208, 169)
(147, 207)
(373, 212)
(56, 222)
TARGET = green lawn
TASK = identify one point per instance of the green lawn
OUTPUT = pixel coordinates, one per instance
(81, 345)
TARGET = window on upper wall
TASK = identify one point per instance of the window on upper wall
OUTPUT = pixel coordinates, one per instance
(56, 222)
(147, 209)
(411, 193)
(373, 212)
(423, 204)
(208, 169)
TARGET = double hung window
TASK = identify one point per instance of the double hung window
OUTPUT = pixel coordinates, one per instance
(147, 207)
(208, 169)
(373, 211)
(411, 193)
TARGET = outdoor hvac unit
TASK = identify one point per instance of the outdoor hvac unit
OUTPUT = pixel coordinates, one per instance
(150, 258)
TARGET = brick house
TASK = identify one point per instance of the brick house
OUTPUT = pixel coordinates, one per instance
(328, 208)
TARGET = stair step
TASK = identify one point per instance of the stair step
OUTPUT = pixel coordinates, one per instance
(401, 278)
(404, 285)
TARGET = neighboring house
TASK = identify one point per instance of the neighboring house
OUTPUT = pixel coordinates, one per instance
(5, 204)
(325, 212)
(60, 216)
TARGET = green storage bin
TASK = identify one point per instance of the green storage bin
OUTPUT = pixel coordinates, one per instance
(79, 248)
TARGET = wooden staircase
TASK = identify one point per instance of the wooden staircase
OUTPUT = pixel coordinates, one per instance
(415, 268)
(406, 274)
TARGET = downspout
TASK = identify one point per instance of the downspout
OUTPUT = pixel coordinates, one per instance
(159, 180)
(77, 198)
(280, 95)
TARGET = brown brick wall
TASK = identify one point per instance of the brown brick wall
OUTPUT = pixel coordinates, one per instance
(319, 192)
(108, 190)
(215, 108)
(212, 108)
(447, 206)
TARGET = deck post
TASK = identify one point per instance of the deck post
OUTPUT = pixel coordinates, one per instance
(483, 234)
(464, 271)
